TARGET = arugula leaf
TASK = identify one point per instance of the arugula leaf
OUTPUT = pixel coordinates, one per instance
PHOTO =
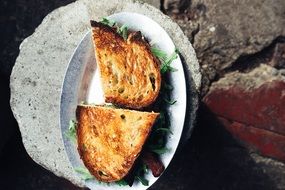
(122, 182)
(71, 133)
(164, 129)
(123, 31)
(159, 53)
(108, 22)
(85, 174)
(144, 168)
(142, 180)
(172, 57)
(167, 68)
(160, 151)
(158, 143)
(160, 121)
(170, 102)
(167, 86)
(140, 172)
(166, 61)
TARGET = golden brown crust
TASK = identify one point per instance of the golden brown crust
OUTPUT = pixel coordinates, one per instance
(130, 73)
(110, 140)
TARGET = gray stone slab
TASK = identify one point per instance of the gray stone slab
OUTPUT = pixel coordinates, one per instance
(224, 31)
(38, 74)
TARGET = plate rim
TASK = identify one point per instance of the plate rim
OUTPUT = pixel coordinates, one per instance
(64, 86)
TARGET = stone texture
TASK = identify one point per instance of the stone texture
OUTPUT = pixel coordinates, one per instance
(265, 142)
(275, 171)
(251, 106)
(155, 3)
(213, 159)
(38, 74)
(278, 57)
(222, 31)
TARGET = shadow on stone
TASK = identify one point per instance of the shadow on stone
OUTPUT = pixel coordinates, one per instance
(18, 20)
(17, 169)
(212, 159)
(8, 123)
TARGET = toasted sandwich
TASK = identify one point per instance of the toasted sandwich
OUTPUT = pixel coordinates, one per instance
(110, 139)
(130, 73)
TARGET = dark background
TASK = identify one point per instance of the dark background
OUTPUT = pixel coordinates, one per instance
(212, 159)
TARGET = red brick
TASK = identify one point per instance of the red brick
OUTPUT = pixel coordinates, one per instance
(266, 142)
(262, 107)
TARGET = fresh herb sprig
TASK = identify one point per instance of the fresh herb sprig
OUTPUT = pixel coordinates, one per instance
(170, 102)
(161, 55)
(142, 180)
(122, 182)
(160, 150)
(139, 175)
(84, 173)
(122, 31)
(157, 140)
(165, 60)
(71, 133)
(167, 130)
(108, 22)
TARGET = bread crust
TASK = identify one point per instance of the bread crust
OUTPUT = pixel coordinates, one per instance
(110, 140)
(130, 73)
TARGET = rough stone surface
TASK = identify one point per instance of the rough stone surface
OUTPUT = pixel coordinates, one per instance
(222, 31)
(250, 80)
(245, 101)
(265, 142)
(274, 170)
(213, 159)
(278, 57)
(38, 75)
(155, 3)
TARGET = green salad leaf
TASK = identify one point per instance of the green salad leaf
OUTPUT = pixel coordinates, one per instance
(164, 130)
(123, 31)
(141, 170)
(71, 133)
(160, 151)
(84, 173)
(159, 53)
(170, 102)
(122, 182)
(142, 180)
(172, 57)
(108, 22)
(167, 87)
(165, 60)
(167, 68)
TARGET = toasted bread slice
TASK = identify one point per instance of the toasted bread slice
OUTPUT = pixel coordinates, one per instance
(130, 73)
(110, 140)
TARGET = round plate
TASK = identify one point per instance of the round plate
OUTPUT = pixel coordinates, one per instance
(82, 83)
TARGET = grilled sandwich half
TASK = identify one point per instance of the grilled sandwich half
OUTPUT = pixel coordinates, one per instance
(110, 140)
(130, 73)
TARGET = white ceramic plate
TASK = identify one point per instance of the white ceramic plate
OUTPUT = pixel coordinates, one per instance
(82, 83)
